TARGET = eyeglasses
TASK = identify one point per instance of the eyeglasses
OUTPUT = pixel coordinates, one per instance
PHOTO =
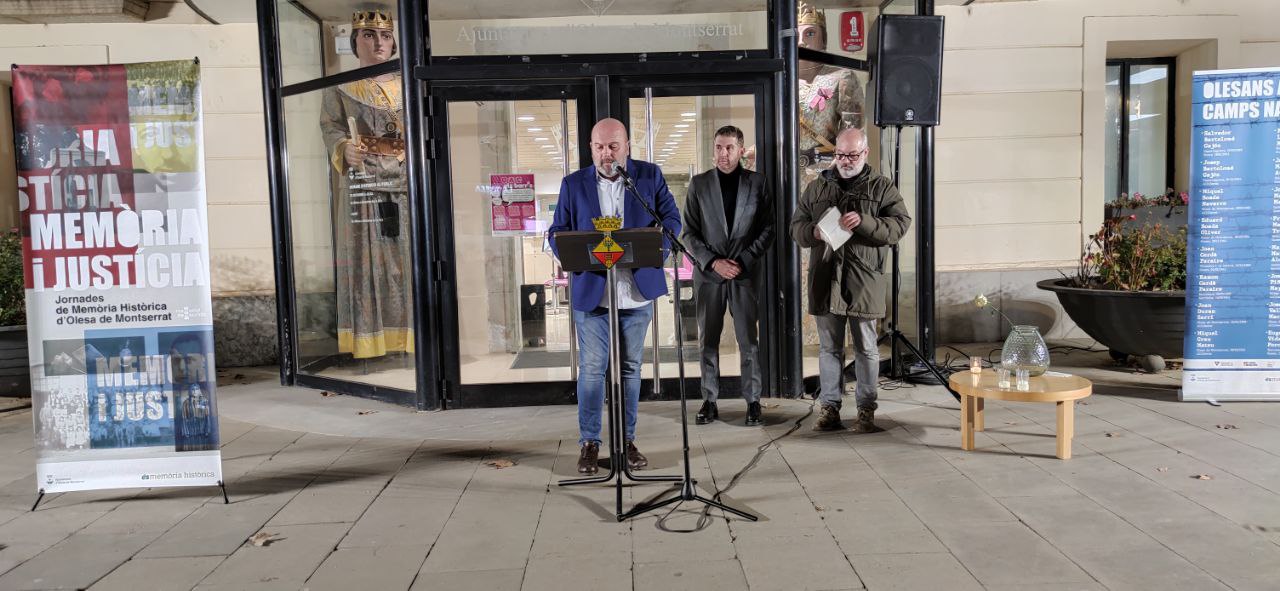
(849, 155)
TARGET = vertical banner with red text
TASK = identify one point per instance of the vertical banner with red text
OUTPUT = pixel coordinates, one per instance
(115, 243)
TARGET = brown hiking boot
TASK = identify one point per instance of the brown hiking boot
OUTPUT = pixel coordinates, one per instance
(588, 461)
(828, 419)
(867, 421)
(635, 459)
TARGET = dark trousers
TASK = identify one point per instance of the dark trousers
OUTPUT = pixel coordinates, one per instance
(740, 298)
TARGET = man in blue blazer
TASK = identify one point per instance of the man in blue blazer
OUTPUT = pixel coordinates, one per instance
(590, 193)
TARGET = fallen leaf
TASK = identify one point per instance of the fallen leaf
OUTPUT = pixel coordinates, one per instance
(366, 412)
(1010, 423)
(327, 394)
(1227, 427)
(1262, 528)
(819, 508)
(263, 538)
(1202, 477)
(1113, 434)
(500, 463)
(1162, 469)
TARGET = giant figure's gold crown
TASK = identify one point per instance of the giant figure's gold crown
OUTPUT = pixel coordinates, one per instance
(371, 19)
(809, 15)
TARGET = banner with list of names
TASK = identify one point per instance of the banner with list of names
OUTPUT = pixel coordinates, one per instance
(1232, 344)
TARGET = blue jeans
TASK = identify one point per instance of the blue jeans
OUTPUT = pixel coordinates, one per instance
(593, 362)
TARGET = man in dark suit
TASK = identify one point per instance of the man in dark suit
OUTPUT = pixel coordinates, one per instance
(590, 193)
(728, 225)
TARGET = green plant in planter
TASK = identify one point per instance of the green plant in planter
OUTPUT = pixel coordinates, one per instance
(13, 311)
(1128, 257)
(1128, 290)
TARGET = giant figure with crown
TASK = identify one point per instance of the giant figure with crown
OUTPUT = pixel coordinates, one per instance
(831, 98)
(363, 126)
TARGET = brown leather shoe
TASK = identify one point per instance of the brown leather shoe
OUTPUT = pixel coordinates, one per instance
(589, 459)
(635, 459)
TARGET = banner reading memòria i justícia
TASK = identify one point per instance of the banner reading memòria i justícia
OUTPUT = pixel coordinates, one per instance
(115, 244)
(1232, 344)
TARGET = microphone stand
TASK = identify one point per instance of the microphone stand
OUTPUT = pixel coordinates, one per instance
(687, 490)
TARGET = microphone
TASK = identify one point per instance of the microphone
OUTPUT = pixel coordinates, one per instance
(617, 168)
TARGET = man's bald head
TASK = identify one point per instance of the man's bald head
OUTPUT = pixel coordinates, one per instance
(851, 153)
(851, 140)
(609, 144)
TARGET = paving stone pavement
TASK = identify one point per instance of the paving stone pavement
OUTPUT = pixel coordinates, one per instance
(403, 500)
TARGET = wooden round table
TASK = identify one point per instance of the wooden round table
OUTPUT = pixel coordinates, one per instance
(1063, 389)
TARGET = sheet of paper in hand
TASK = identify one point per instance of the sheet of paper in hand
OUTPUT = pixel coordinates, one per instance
(831, 231)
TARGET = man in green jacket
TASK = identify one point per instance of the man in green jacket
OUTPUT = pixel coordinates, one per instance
(848, 285)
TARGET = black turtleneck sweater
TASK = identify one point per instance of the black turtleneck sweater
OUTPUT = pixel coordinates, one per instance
(729, 192)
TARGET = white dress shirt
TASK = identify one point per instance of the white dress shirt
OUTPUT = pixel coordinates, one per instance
(613, 203)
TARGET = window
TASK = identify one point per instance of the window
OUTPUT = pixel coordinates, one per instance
(1139, 135)
(301, 42)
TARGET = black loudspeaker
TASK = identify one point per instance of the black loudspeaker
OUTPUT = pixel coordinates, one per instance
(907, 70)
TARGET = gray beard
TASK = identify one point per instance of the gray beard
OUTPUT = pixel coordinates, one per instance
(847, 173)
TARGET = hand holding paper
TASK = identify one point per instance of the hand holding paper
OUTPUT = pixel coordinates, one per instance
(832, 232)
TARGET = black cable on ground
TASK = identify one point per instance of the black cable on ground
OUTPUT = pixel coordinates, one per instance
(704, 519)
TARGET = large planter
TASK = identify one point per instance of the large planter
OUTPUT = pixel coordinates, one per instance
(1140, 323)
(15, 368)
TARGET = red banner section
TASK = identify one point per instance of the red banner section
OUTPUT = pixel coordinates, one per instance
(75, 175)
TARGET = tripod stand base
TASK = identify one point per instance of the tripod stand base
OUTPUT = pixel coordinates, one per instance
(687, 493)
(896, 337)
(918, 373)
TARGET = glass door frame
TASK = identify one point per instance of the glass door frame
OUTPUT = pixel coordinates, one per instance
(455, 394)
(425, 72)
(421, 73)
(598, 97)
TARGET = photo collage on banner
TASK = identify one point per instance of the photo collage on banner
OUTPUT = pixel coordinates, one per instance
(116, 254)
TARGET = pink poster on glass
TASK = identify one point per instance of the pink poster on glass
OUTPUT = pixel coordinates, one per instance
(513, 206)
